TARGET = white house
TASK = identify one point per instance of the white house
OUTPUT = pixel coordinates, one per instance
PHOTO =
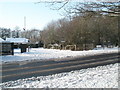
(18, 40)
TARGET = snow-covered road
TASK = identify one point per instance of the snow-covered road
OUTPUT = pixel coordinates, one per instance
(42, 54)
(99, 77)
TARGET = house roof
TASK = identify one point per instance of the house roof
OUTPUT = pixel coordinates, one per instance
(17, 40)
(1, 40)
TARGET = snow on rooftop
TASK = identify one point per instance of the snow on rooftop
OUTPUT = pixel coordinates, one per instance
(1, 40)
(44, 54)
(98, 77)
(17, 40)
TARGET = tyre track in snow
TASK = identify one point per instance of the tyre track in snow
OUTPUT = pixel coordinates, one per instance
(39, 68)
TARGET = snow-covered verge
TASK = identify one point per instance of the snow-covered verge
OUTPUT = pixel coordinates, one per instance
(42, 54)
(98, 77)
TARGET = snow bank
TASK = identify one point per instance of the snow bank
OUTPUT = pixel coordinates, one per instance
(42, 54)
(99, 77)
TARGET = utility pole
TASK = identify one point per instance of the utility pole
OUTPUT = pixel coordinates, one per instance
(24, 23)
(24, 26)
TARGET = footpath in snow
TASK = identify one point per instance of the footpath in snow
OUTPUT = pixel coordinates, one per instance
(99, 77)
(43, 54)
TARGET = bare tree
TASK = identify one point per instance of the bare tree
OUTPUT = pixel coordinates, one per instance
(91, 22)
(84, 7)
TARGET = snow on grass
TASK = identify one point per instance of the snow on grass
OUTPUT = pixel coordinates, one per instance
(98, 77)
(42, 54)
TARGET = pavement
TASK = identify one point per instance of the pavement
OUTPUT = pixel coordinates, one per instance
(26, 69)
